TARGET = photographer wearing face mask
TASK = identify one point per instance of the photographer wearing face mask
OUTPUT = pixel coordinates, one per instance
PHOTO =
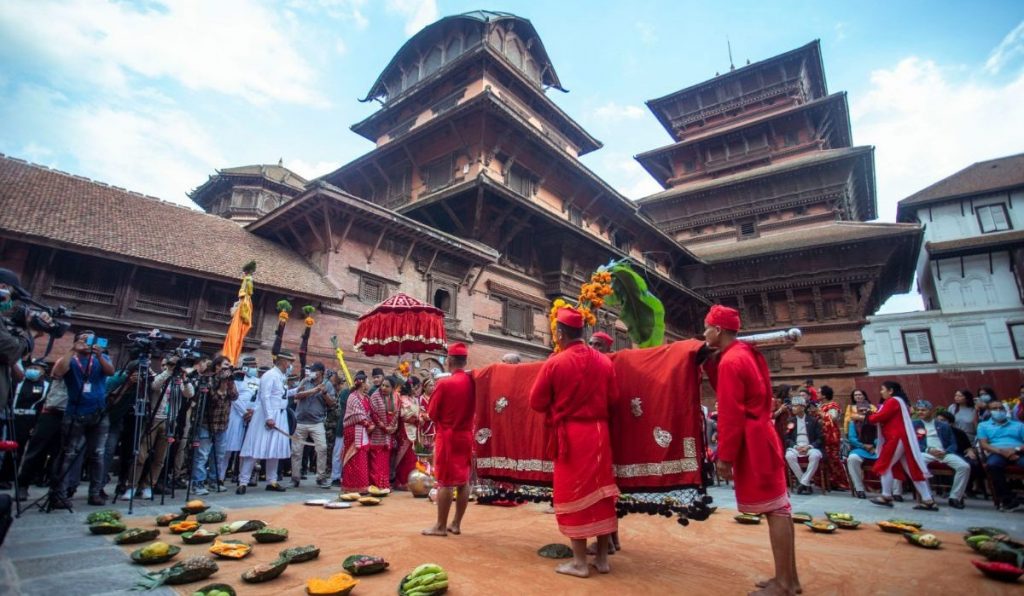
(29, 395)
(217, 392)
(1002, 440)
(14, 341)
(247, 384)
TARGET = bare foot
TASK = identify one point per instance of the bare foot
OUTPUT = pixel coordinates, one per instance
(434, 531)
(592, 549)
(454, 529)
(768, 585)
(602, 567)
(571, 568)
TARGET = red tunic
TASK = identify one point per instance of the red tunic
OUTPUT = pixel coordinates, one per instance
(576, 390)
(451, 410)
(746, 433)
(894, 429)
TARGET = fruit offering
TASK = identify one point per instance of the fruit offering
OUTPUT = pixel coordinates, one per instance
(106, 515)
(378, 492)
(822, 527)
(169, 518)
(364, 564)
(993, 550)
(300, 554)
(339, 584)
(1003, 572)
(800, 517)
(136, 536)
(907, 522)
(195, 506)
(896, 528)
(266, 535)
(265, 572)
(200, 536)
(244, 525)
(350, 497)
(923, 540)
(158, 552)
(107, 527)
(183, 526)
(426, 580)
(975, 541)
(369, 501)
(215, 590)
(192, 569)
(231, 549)
(986, 530)
(211, 517)
(748, 518)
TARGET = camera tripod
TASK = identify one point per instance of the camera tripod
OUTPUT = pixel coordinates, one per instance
(198, 420)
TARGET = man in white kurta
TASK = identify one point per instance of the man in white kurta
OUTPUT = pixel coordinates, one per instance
(267, 437)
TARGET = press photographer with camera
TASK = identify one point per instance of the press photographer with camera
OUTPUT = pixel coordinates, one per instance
(120, 402)
(28, 402)
(84, 370)
(195, 365)
(15, 342)
(216, 393)
(168, 388)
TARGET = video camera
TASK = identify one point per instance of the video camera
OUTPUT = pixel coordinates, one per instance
(26, 317)
(188, 352)
(147, 342)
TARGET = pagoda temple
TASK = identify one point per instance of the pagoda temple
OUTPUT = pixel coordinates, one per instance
(763, 183)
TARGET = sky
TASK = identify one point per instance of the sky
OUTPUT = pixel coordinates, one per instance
(155, 95)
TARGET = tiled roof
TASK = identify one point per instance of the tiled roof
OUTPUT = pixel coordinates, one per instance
(804, 238)
(981, 177)
(809, 159)
(276, 173)
(979, 243)
(58, 209)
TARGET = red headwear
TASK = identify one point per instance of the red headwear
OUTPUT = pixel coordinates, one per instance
(570, 317)
(724, 317)
(458, 349)
(601, 335)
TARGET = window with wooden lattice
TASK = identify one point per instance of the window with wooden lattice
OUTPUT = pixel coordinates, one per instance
(520, 180)
(774, 360)
(829, 358)
(747, 229)
(439, 172)
(83, 278)
(219, 301)
(517, 319)
(372, 290)
(163, 293)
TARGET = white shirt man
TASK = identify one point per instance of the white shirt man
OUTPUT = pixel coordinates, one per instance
(799, 444)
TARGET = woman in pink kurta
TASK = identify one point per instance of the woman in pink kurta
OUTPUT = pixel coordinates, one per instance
(357, 424)
(380, 436)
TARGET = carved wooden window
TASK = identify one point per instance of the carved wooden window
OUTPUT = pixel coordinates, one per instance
(747, 229)
(834, 309)
(622, 241)
(520, 180)
(448, 102)
(83, 278)
(689, 165)
(1017, 338)
(774, 360)
(443, 299)
(219, 301)
(917, 345)
(453, 49)
(755, 312)
(401, 128)
(372, 290)
(519, 253)
(517, 319)
(792, 138)
(399, 183)
(829, 358)
(411, 75)
(716, 152)
(575, 216)
(433, 61)
(993, 218)
(439, 172)
(163, 293)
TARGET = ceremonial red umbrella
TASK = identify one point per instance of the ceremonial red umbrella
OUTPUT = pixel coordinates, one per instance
(401, 324)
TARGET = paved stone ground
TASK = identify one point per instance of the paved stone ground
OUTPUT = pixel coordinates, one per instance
(46, 553)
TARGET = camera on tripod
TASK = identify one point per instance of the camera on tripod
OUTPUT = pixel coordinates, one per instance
(26, 317)
(188, 352)
(147, 342)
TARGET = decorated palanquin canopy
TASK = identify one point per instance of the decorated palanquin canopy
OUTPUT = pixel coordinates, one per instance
(656, 423)
(401, 325)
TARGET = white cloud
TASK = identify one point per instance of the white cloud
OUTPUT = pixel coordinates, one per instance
(927, 122)
(417, 13)
(345, 10)
(613, 112)
(310, 169)
(626, 175)
(232, 47)
(1011, 47)
(840, 31)
(646, 32)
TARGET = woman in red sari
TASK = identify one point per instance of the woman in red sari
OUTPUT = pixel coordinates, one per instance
(408, 414)
(427, 430)
(831, 419)
(358, 424)
(380, 435)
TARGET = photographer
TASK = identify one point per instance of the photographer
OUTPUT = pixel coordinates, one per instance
(84, 370)
(216, 392)
(120, 399)
(162, 409)
(313, 399)
(14, 342)
(196, 365)
(28, 402)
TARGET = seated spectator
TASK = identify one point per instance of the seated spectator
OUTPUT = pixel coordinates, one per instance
(937, 443)
(1002, 440)
(986, 395)
(780, 411)
(803, 439)
(965, 415)
(965, 449)
(857, 398)
(863, 438)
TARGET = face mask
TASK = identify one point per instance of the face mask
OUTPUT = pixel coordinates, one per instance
(985, 398)
(251, 372)
(33, 375)
(289, 370)
(999, 416)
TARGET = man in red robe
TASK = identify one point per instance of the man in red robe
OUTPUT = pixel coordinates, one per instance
(747, 440)
(602, 342)
(451, 410)
(575, 390)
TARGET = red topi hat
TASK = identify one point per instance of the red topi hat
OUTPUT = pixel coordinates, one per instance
(458, 349)
(570, 317)
(724, 317)
(607, 339)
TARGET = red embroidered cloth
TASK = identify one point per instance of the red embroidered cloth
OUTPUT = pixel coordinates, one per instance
(656, 425)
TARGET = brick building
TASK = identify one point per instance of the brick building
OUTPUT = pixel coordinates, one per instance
(474, 199)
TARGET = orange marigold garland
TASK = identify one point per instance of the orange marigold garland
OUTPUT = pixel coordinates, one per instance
(592, 297)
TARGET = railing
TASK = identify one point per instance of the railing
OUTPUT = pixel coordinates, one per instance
(782, 88)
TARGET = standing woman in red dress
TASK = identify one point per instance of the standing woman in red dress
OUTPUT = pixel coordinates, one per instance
(408, 414)
(898, 453)
(831, 419)
(381, 434)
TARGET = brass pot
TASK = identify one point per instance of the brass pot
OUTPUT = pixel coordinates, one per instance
(420, 482)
